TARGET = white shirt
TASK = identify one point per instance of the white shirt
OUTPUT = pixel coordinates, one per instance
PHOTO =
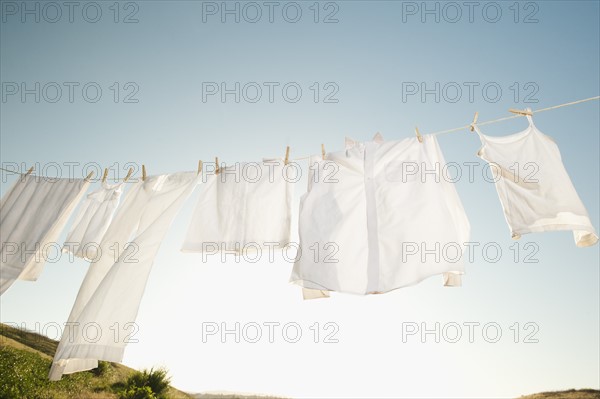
(364, 214)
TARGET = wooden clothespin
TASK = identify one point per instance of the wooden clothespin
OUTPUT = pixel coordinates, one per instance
(104, 175)
(199, 167)
(522, 112)
(217, 169)
(89, 176)
(143, 172)
(29, 171)
(323, 151)
(419, 137)
(472, 125)
(128, 175)
(287, 155)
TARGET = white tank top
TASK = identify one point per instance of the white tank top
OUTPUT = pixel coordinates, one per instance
(365, 224)
(535, 190)
(95, 215)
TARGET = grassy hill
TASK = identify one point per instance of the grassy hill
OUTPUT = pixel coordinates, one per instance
(25, 359)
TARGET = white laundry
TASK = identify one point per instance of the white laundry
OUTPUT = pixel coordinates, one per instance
(535, 190)
(113, 287)
(370, 215)
(244, 207)
(95, 214)
(32, 215)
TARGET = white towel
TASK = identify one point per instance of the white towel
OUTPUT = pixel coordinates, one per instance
(246, 206)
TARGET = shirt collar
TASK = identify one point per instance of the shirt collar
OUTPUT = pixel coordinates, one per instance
(351, 143)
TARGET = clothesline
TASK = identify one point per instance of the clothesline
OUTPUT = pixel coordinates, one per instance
(456, 129)
(515, 116)
(461, 128)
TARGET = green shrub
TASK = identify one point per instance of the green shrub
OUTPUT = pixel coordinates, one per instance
(104, 369)
(138, 393)
(156, 381)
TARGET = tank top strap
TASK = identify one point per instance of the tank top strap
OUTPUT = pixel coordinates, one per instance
(529, 117)
(481, 138)
(476, 128)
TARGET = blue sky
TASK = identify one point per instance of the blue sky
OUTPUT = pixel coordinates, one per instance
(537, 54)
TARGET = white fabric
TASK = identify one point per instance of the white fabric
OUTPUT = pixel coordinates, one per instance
(534, 188)
(94, 216)
(32, 215)
(361, 213)
(245, 207)
(113, 287)
(308, 293)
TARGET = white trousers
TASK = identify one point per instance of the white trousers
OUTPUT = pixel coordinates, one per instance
(114, 285)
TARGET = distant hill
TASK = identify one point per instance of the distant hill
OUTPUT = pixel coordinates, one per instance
(25, 359)
(570, 394)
